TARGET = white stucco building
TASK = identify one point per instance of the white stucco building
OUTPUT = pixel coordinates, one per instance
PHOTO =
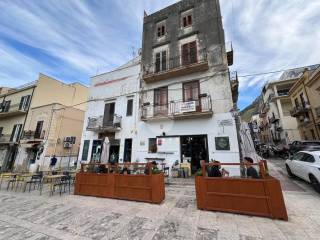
(174, 102)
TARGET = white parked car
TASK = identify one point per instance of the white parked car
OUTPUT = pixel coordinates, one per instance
(305, 165)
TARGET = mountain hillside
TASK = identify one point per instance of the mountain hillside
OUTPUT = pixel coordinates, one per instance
(250, 110)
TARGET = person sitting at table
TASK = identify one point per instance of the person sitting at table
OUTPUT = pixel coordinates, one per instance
(216, 172)
(251, 172)
(153, 167)
(113, 167)
(102, 169)
(125, 169)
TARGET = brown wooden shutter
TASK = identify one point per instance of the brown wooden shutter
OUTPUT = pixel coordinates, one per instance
(157, 69)
(190, 20)
(185, 54)
(164, 61)
(184, 21)
(108, 114)
(193, 52)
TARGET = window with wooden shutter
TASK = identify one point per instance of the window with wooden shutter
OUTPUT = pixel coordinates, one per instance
(161, 30)
(161, 61)
(38, 132)
(129, 107)
(158, 61)
(191, 92)
(16, 132)
(24, 103)
(190, 20)
(161, 101)
(164, 61)
(193, 52)
(189, 53)
(187, 20)
(108, 114)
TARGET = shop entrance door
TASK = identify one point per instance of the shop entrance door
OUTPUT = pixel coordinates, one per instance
(194, 148)
(127, 150)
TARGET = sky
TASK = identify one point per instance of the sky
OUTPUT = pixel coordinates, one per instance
(72, 40)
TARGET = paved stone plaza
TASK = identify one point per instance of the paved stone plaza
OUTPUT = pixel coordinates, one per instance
(31, 216)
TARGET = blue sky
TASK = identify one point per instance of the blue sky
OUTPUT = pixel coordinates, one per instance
(75, 39)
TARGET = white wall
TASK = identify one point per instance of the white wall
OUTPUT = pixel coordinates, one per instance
(119, 84)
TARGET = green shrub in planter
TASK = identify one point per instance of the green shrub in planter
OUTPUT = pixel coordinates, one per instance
(199, 172)
(156, 171)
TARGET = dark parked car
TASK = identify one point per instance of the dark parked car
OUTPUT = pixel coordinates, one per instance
(305, 145)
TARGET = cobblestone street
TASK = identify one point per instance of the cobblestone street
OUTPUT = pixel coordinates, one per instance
(30, 216)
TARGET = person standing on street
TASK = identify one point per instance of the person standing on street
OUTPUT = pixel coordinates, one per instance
(53, 162)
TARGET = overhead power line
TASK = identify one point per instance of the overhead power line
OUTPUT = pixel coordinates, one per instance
(274, 71)
(201, 80)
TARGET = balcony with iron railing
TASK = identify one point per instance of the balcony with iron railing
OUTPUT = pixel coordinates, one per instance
(12, 110)
(300, 110)
(101, 124)
(233, 76)
(283, 93)
(30, 135)
(5, 138)
(178, 109)
(176, 66)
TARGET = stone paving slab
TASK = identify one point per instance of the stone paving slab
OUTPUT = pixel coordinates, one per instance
(32, 217)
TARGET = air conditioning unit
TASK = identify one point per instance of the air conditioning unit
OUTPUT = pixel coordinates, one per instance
(67, 145)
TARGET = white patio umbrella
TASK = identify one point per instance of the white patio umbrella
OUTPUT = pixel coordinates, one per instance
(105, 150)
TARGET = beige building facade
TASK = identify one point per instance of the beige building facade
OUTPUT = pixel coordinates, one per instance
(305, 98)
(54, 114)
(14, 107)
(276, 124)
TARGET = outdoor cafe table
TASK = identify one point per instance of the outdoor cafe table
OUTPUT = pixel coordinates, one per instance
(52, 178)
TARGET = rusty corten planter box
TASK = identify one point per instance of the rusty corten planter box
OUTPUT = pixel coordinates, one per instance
(140, 187)
(259, 197)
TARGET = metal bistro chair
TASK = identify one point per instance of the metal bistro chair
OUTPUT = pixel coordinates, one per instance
(166, 171)
(35, 180)
(12, 180)
(61, 183)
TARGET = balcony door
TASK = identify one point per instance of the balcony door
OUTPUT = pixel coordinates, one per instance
(189, 53)
(24, 103)
(38, 131)
(16, 131)
(108, 114)
(161, 101)
(191, 92)
(161, 61)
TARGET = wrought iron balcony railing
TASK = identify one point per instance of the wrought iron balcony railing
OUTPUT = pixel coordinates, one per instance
(12, 110)
(33, 135)
(299, 110)
(176, 66)
(101, 124)
(178, 109)
(5, 138)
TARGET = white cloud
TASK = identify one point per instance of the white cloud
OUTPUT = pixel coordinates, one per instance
(84, 36)
(272, 35)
